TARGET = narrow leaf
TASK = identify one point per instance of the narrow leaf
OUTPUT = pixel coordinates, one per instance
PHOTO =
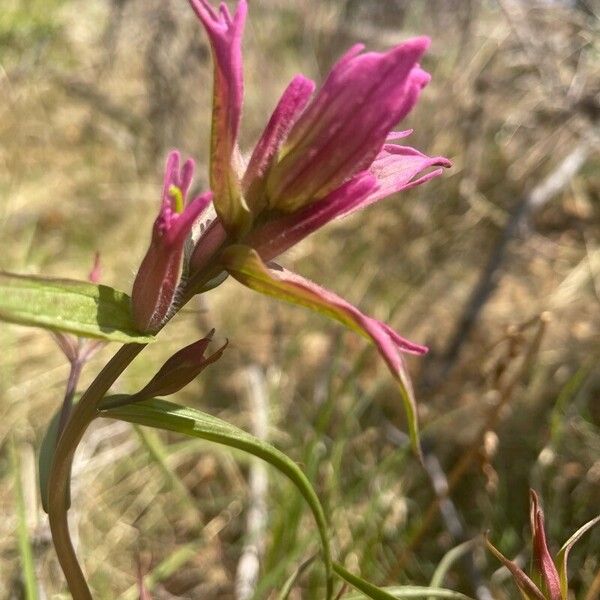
(291, 580)
(368, 590)
(172, 417)
(416, 592)
(449, 559)
(80, 307)
(563, 555)
(528, 589)
(543, 564)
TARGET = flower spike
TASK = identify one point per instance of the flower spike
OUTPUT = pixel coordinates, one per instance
(155, 285)
(245, 265)
(225, 34)
(345, 126)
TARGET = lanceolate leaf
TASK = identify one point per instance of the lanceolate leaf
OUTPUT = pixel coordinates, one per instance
(527, 588)
(368, 590)
(80, 307)
(173, 417)
(414, 592)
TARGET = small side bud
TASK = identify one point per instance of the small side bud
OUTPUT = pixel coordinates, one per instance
(182, 368)
(158, 277)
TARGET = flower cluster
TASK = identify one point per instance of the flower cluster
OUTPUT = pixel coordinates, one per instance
(324, 154)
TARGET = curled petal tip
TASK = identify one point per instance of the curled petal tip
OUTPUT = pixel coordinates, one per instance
(420, 43)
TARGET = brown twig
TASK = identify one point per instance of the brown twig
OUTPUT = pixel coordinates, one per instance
(491, 422)
(488, 281)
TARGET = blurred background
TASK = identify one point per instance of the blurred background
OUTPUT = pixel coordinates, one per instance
(495, 265)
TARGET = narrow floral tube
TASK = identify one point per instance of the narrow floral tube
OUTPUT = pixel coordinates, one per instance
(207, 245)
(225, 35)
(155, 285)
(245, 265)
(345, 126)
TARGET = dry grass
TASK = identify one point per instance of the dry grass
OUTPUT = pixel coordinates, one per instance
(94, 93)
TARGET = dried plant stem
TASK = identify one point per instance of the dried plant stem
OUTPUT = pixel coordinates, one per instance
(249, 563)
(488, 281)
(461, 467)
(82, 415)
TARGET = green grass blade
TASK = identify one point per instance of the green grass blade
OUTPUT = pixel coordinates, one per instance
(167, 415)
(449, 559)
(368, 590)
(25, 550)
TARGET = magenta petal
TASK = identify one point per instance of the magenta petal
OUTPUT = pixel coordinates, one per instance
(398, 135)
(286, 113)
(245, 265)
(283, 232)
(396, 168)
(347, 123)
(211, 239)
(157, 279)
(159, 274)
(225, 34)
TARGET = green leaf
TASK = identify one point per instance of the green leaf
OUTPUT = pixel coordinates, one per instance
(80, 307)
(291, 580)
(369, 590)
(173, 417)
(449, 559)
(563, 555)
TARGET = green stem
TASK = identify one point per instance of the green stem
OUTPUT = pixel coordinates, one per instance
(82, 415)
(79, 419)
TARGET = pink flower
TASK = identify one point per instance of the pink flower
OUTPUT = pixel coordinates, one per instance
(225, 35)
(321, 156)
(155, 286)
(345, 126)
